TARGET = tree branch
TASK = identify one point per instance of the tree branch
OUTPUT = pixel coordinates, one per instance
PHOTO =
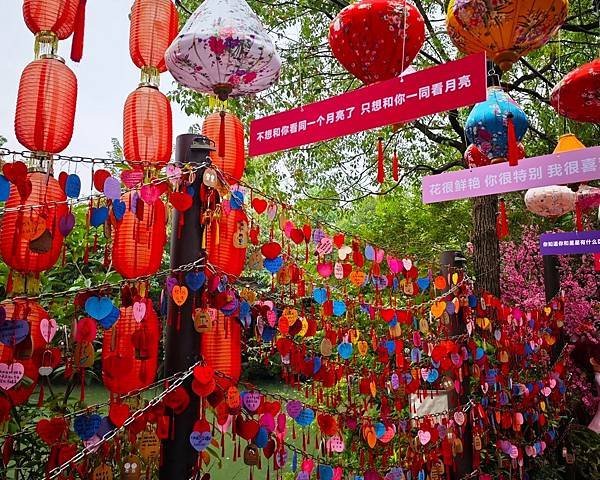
(437, 138)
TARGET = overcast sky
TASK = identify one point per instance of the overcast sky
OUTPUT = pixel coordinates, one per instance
(106, 75)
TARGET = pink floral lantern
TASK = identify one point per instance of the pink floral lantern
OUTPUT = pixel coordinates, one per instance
(224, 50)
(552, 201)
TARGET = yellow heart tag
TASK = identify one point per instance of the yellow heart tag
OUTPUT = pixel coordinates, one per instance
(455, 278)
(373, 388)
(248, 295)
(291, 314)
(304, 328)
(363, 347)
(357, 278)
(326, 347)
(547, 310)
(423, 326)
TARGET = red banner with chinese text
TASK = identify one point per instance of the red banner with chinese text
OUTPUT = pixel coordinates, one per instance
(444, 87)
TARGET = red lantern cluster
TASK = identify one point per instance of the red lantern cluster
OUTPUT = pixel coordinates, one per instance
(227, 131)
(57, 16)
(130, 349)
(30, 238)
(46, 106)
(147, 119)
(221, 349)
(227, 241)
(140, 239)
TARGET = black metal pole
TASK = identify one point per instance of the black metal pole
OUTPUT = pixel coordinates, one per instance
(182, 340)
(551, 276)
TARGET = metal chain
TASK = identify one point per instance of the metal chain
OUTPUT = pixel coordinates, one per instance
(54, 473)
(30, 155)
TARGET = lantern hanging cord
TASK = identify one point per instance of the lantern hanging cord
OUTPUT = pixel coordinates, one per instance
(54, 473)
(182, 6)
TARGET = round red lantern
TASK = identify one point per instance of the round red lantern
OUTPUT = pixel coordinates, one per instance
(46, 106)
(377, 40)
(221, 347)
(33, 314)
(154, 25)
(227, 243)
(577, 95)
(147, 127)
(30, 238)
(227, 131)
(139, 241)
(130, 349)
(57, 16)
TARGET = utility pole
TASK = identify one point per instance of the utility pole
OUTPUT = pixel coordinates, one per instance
(182, 344)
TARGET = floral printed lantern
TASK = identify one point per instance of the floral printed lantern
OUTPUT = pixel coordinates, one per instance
(577, 95)
(377, 39)
(496, 125)
(223, 49)
(552, 201)
(506, 29)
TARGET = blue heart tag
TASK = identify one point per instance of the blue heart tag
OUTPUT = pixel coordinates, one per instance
(98, 307)
(423, 283)
(479, 353)
(190, 190)
(325, 472)
(390, 345)
(320, 295)
(195, 280)
(450, 308)
(105, 427)
(200, 440)
(13, 331)
(262, 438)
(86, 426)
(379, 430)
(339, 308)
(273, 265)
(237, 200)
(73, 186)
(268, 334)
(119, 208)
(472, 301)
(316, 365)
(306, 417)
(108, 321)
(4, 188)
(99, 216)
(433, 375)
(369, 253)
(415, 355)
(345, 350)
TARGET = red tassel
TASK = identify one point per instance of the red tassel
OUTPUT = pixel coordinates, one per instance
(77, 45)
(222, 135)
(502, 222)
(380, 172)
(395, 166)
(7, 449)
(597, 262)
(513, 149)
(578, 217)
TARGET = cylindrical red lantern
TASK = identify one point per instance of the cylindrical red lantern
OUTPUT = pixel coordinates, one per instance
(221, 348)
(57, 16)
(30, 238)
(228, 135)
(225, 250)
(130, 349)
(147, 127)
(154, 25)
(139, 242)
(46, 106)
(33, 313)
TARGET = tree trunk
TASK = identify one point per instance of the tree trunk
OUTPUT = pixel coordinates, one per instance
(486, 245)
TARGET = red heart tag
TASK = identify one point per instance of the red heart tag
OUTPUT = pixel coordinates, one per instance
(253, 234)
(66, 453)
(118, 413)
(100, 177)
(130, 178)
(358, 258)
(338, 240)
(204, 373)
(178, 400)
(204, 389)
(269, 449)
(15, 172)
(271, 250)
(62, 180)
(259, 205)
(181, 201)
(247, 429)
(51, 431)
(307, 231)
(297, 236)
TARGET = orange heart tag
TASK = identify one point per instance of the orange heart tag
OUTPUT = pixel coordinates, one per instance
(363, 347)
(33, 227)
(438, 308)
(179, 294)
(357, 278)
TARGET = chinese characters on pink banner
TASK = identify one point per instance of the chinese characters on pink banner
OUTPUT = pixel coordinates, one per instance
(444, 87)
(555, 169)
(570, 243)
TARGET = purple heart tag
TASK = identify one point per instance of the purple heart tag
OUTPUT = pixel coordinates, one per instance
(200, 440)
(171, 282)
(66, 224)
(293, 408)
(13, 331)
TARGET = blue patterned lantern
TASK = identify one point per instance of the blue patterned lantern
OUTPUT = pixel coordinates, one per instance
(497, 124)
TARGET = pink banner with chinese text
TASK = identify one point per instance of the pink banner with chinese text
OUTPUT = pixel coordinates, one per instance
(554, 169)
(402, 99)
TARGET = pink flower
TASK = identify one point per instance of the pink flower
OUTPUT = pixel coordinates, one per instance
(249, 77)
(217, 45)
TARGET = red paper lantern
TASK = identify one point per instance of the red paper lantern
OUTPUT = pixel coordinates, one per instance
(224, 251)
(221, 348)
(377, 40)
(33, 313)
(46, 106)
(139, 242)
(30, 238)
(130, 350)
(147, 127)
(154, 25)
(57, 16)
(577, 95)
(228, 135)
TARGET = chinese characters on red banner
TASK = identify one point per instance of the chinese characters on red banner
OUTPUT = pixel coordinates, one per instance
(444, 87)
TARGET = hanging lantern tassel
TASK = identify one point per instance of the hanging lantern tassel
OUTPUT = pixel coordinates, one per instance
(513, 149)
(78, 33)
(395, 166)
(380, 172)
(222, 135)
(502, 222)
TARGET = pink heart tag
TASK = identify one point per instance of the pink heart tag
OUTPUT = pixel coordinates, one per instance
(131, 178)
(335, 444)
(289, 226)
(268, 422)
(393, 264)
(424, 437)
(139, 311)
(173, 173)
(271, 318)
(338, 473)
(11, 374)
(407, 264)
(281, 423)
(379, 255)
(308, 465)
(325, 269)
(459, 417)
(48, 328)
(425, 373)
(226, 206)
(149, 194)
(225, 427)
